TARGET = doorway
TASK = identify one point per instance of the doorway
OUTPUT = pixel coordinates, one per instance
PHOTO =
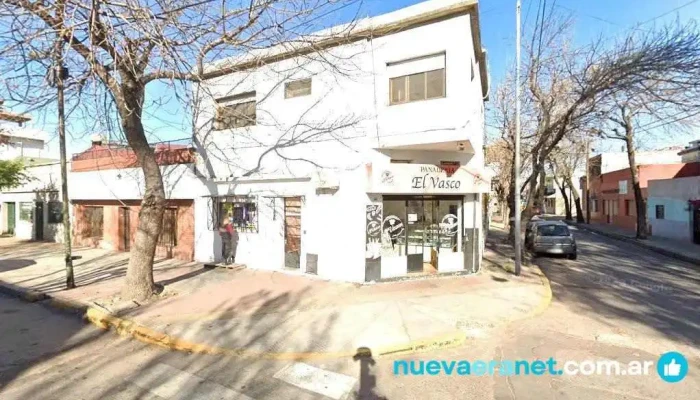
(432, 231)
(292, 232)
(11, 217)
(696, 225)
(125, 228)
(39, 220)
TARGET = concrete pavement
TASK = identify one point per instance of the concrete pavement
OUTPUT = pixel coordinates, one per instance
(616, 301)
(277, 315)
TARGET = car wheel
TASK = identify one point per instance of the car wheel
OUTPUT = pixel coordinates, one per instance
(572, 256)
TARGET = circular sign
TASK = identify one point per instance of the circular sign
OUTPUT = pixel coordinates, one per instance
(373, 229)
(449, 225)
(393, 226)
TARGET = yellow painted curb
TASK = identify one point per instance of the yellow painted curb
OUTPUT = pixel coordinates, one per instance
(147, 335)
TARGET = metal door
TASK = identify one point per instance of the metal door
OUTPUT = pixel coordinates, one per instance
(292, 232)
(696, 225)
(39, 220)
(11, 218)
(125, 228)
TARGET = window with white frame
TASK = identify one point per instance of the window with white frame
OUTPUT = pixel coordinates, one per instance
(236, 111)
(298, 88)
(416, 79)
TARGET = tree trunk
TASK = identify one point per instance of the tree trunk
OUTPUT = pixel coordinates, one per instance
(577, 200)
(639, 200)
(139, 284)
(567, 203)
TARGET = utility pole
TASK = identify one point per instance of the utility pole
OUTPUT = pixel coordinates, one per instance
(59, 74)
(518, 258)
(588, 187)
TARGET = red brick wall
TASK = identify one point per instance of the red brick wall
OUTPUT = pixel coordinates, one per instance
(113, 238)
(102, 157)
(606, 187)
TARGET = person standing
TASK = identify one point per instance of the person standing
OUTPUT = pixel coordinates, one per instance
(226, 231)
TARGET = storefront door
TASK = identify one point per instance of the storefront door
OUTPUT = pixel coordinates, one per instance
(39, 220)
(432, 232)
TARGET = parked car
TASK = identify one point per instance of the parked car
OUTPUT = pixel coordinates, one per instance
(551, 237)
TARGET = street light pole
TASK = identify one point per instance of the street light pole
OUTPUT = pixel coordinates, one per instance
(58, 79)
(588, 184)
(516, 196)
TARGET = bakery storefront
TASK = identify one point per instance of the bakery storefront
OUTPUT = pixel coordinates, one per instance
(423, 219)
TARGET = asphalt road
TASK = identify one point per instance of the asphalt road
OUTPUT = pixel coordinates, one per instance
(616, 301)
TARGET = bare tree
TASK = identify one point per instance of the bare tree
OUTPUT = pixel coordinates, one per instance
(565, 160)
(115, 50)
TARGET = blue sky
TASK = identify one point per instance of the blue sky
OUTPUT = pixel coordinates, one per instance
(592, 18)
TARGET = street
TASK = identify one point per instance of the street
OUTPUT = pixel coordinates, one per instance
(617, 301)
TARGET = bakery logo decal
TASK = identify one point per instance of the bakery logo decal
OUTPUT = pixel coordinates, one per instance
(449, 225)
(393, 226)
(374, 218)
(374, 231)
(387, 178)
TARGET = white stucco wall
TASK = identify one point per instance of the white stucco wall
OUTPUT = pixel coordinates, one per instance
(44, 186)
(180, 181)
(673, 194)
(307, 145)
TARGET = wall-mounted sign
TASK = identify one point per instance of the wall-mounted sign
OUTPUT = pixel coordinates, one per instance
(393, 226)
(450, 167)
(387, 178)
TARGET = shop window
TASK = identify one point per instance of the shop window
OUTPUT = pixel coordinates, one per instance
(168, 234)
(55, 212)
(660, 212)
(93, 225)
(417, 87)
(235, 111)
(299, 88)
(26, 211)
(241, 211)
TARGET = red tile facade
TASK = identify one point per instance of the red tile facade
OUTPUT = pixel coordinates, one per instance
(609, 206)
(109, 230)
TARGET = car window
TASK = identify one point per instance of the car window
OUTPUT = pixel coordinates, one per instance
(553, 230)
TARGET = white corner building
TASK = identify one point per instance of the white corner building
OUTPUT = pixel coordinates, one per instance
(358, 160)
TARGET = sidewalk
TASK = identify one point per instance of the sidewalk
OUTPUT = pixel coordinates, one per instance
(273, 314)
(684, 251)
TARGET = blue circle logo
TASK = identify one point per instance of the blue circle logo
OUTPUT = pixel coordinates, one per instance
(672, 367)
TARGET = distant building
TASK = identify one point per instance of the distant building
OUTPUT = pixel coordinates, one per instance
(19, 142)
(612, 195)
(674, 207)
(691, 153)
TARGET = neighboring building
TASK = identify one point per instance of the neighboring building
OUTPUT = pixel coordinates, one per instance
(615, 161)
(612, 195)
(369, 170)
(18, 142)
(691, 153)
(106, 187)
(33, 211)
(674, 207)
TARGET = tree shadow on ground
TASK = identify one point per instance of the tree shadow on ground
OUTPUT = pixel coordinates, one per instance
(13, 264)
(103, 366)
(614, 281)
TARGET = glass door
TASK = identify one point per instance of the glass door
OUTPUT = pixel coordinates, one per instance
(415, 217)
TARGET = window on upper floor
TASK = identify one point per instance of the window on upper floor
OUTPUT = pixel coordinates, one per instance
(395, 161)
(301, 87)
(235, 111)
(416, 79)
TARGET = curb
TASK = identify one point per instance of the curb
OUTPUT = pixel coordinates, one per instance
(129, 328)
(668, 253)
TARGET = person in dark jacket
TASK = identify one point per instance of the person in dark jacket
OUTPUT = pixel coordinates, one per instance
(227, 233)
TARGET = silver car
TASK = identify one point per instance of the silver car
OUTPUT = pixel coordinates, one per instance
(551, 237)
